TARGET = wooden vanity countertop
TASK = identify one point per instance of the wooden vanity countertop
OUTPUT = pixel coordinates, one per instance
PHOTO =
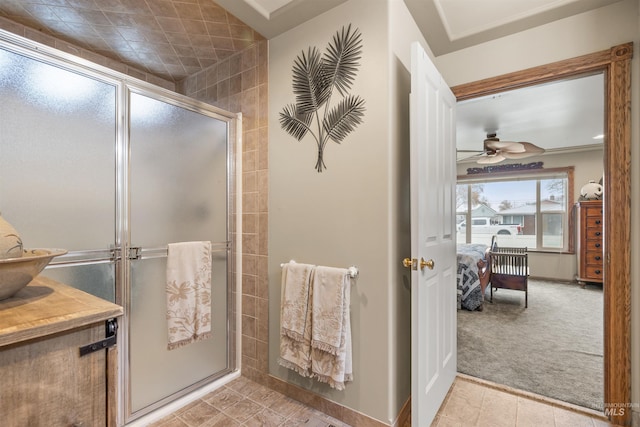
(46, 307)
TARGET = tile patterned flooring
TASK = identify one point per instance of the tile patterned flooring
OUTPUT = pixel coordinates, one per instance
(245, 403)
(470, 403)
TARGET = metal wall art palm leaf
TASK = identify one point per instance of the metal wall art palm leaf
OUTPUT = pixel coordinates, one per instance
(314, 79)
(294, 123)
(310, 84)
(344, 118)
(341, 59)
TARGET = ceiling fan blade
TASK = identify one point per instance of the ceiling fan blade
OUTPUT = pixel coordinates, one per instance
(460, 156)
(530, 150)
(491, 159)
(511, 146)
(496, 151)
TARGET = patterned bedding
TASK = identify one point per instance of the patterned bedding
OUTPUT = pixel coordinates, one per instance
(468, 280)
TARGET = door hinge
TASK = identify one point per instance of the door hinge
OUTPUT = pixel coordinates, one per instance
(115, 254)
(111, 334)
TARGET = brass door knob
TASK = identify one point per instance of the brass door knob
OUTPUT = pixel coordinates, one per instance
(407, 262)
(429, 264)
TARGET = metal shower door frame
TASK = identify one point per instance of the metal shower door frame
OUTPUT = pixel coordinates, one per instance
(130, 252)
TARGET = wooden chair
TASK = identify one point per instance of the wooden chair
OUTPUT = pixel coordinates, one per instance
(509, 270)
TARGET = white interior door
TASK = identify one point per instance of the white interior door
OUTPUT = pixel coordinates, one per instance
(433, 258)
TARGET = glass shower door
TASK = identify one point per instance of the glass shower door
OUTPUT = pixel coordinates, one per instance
(179, 192)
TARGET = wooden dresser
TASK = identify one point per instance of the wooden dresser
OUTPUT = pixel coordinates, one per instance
(50, 375)
(590, 241)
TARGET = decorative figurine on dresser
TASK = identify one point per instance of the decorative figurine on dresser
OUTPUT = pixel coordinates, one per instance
(589, 241)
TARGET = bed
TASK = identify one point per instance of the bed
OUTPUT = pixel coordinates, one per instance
(473, 275)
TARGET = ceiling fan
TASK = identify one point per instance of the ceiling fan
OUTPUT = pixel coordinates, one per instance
(496, 151)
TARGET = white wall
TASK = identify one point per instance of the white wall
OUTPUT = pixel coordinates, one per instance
(339, 217)
(578, 35)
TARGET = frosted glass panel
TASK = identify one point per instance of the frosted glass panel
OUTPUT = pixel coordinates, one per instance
(57, 154)
(178, 184)
(96, 279)
(178, 174)
(155, 371)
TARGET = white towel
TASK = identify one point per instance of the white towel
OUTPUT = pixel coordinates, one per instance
(295, 318)
(188, 290)
(331, 327)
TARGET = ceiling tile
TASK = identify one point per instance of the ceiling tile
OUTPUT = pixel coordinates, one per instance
(189, 11)
(120, 19)
(218, 29)
(225, 43)
(180, 39)
(171, 25)
(193, 26)
(168, 38)
(163, 8)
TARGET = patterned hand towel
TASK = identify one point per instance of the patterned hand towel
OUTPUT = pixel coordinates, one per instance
(331, 327)
(188, 293)
(296, 281)
(295, 318)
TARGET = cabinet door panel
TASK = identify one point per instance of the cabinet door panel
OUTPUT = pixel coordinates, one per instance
(46, 382)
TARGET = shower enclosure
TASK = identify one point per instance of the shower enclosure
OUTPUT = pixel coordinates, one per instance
(113, 169)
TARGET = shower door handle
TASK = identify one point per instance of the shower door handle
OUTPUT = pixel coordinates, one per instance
(135, 252)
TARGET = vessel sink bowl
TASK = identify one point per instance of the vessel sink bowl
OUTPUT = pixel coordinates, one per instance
(16, 273)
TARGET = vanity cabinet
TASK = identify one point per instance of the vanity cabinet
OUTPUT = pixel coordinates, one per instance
(45, 377)
(590, 244)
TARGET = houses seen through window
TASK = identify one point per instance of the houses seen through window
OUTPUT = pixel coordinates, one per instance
(529, 212)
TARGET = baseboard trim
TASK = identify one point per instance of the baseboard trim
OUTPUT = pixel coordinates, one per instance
(315, 401)
(404, 417)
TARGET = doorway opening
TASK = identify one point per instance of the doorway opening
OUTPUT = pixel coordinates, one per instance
(614, 64)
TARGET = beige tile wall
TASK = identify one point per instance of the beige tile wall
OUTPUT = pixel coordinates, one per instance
(240, 84)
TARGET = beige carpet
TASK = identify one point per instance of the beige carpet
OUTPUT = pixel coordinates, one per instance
(553, 348)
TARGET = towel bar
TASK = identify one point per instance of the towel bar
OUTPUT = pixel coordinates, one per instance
(353, 270)
(161, 252)
(103, 256)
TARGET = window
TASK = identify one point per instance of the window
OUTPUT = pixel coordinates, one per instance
(529, 210)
